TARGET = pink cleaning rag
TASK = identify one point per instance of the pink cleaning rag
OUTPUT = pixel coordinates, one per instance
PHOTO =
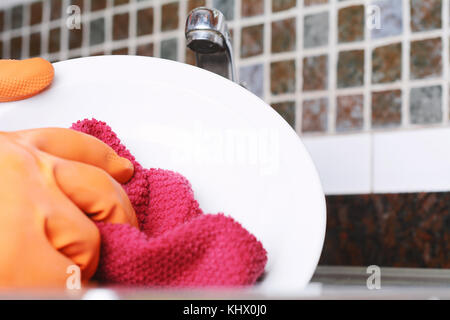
(177, 245)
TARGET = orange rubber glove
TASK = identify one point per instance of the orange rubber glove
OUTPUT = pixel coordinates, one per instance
(21, 79)
(52, 183)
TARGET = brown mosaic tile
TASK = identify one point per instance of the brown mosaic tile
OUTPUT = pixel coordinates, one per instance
(35, 44)
(283, 35)
(426, 58)
(2, 20)
(98, 53)
(121, 26)
(169, 16)
(282, 77)
(120, 51)
(386, 109)
(315, 115)
(120, 2)
(75, 38)
(79, 3)
(393, 230)
(98, 5)
(190, 57)
(387, 63)
(351, 24)
(251, 8)
(54, 40)
(425, 15)
(315, 73)
(145, 50)
(192, 4)
(55, 9)
(287, 111)
(15, 49)
(36, 13)
(349, 113)
(2, 56)
(145, 21)
(308, 3)
(280, 5)
(350, 68)
(252, 41)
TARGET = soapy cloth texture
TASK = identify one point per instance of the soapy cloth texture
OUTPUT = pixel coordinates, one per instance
(177, 244)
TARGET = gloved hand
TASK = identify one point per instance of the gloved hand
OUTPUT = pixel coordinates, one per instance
(20, 79)
(52, 183)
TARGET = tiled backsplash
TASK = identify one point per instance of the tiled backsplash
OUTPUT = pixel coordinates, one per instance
(317, 62)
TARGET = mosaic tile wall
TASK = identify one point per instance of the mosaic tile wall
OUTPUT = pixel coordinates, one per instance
(315, 61)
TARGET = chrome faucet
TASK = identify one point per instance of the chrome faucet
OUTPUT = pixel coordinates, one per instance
(208, 36)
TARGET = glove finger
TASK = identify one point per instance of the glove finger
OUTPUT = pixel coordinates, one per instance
(95, 192)
(72, 145)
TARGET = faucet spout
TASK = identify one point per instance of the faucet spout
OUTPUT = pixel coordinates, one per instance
(208, 36)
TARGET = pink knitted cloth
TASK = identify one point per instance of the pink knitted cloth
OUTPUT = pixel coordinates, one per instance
(177, 245)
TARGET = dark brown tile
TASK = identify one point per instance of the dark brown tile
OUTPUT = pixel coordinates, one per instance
(169, 16)
(35, 44)
(120, 2)
(190, 57)
(55, 9)
(2, 20)
(75, 38)
(351, 68)
(121, 26)
(2, 56)
(426, 15)
(280, 5)
(282, 77)
(120, 51)
(98, 5)
(315, 73)
(315, 115)
(251, 8)
(387, 63)
(408, 230)
(79, 3)
(284, 35)
(192, 4)
(252, 41)
(36, 13)
(98, 53)
(54, 40)
(386, 109)
(287, 111)
(145, 50)
(351, 24)
(15, 50)
(426, 58)
(349, 113)
(145, 21)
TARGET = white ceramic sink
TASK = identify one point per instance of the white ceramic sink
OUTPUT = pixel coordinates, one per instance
(241, 157)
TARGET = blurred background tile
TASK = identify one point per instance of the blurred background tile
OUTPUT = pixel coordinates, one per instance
(169, 16)
(426, 15)
(253, 77)
(251, 8)
(120, 2)
(120, 26)
(391, 19)
(97, 31)
(55, 9)
(75, 38)
(350, 68)
(35, 44)
(145, 50)
(426, 105)
(169, 49)
(120, 51)
(252, 41)
(226, 6)
(192, 4)
(15, 45)
(16, 17)
(287, 111)
(2, 20)
(282, 77)
(387, 63)
(349, 113)
(308, 3)
(315, 30)
(54, 40)
(351, 24)
(315, 115)
(426, 58)
(280, 5)
(98, 5)
(315, 73)
(386, 109)
(145, 21)
(283, 35)
(36, 13)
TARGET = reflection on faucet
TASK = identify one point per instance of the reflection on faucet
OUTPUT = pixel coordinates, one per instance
(207, 35)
